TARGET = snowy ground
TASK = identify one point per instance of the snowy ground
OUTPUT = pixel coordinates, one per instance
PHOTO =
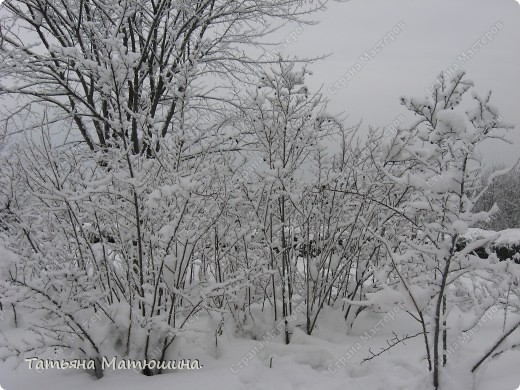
(304, 364)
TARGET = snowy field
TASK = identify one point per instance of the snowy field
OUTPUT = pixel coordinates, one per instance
(308, 362)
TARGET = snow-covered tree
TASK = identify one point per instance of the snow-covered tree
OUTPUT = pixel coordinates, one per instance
(443, 181)
(120, 74)
(286, 125)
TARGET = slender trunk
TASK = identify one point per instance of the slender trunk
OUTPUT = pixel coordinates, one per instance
(272, 266)
(426, 342)
(444, 333)
(437, 323)
(285, 306)
(307, 279)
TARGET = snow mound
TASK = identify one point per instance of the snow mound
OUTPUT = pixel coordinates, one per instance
(473, 234)
(508, 237)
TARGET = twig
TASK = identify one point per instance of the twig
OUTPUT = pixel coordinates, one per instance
(391, 343)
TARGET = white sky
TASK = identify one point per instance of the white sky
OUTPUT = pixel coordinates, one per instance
(435, 33)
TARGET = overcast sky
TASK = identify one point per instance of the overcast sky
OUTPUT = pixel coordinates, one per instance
(432, 34)
(435, 33)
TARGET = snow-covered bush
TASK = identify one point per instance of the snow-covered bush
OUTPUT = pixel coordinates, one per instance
(118, 243)
(117, 200)
(435, 161)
